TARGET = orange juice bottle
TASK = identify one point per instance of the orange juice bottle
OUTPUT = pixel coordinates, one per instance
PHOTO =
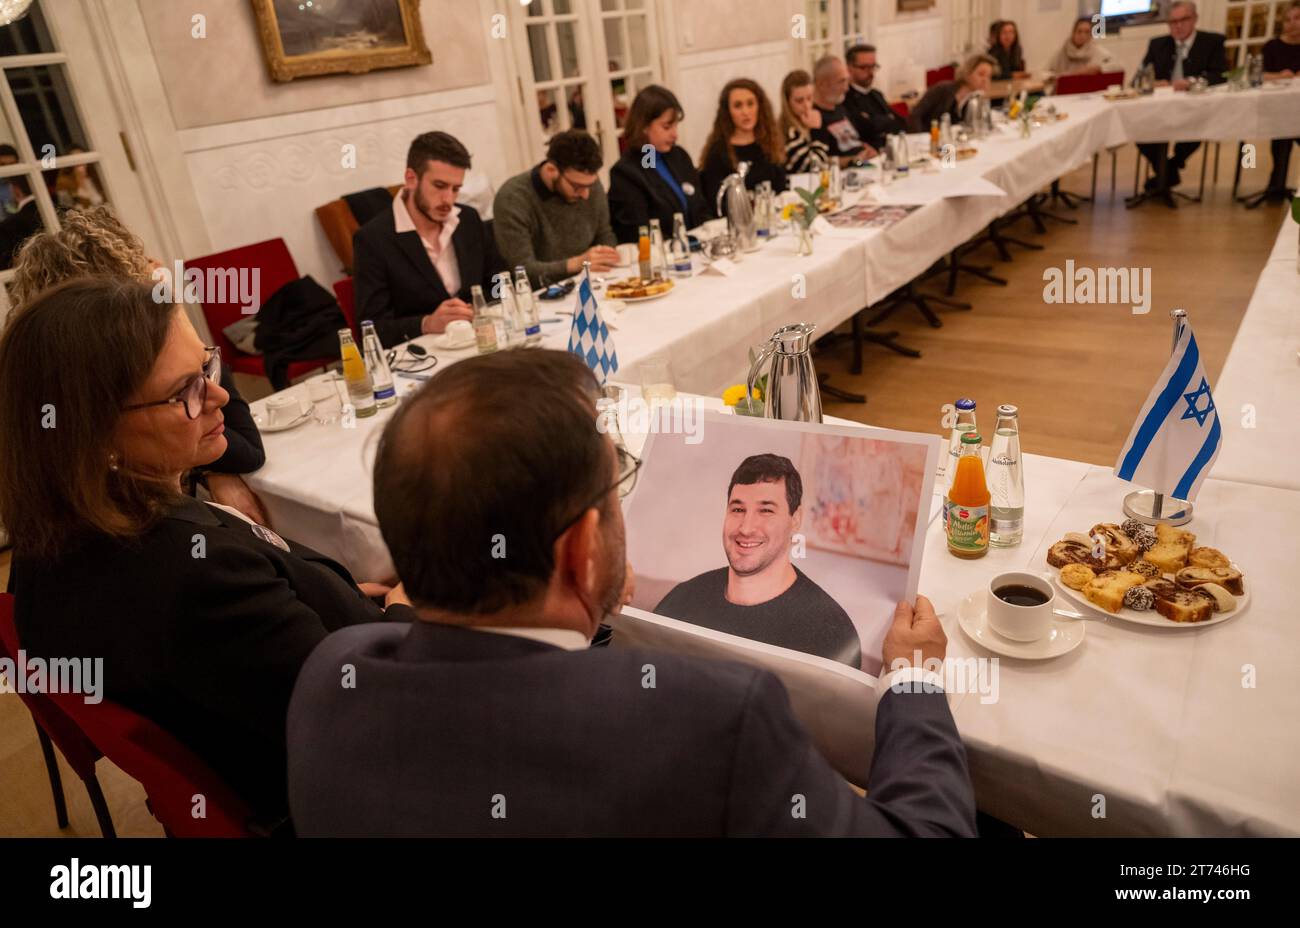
(643, 253)
(968, 502)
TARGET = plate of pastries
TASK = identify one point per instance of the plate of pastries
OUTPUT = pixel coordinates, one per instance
(636, 289)
(1151, 575)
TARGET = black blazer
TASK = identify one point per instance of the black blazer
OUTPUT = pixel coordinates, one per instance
(207, 647)
(16, 229)
(717, 168)
(454, 723)
(873, 111)
(395, 282)
(638, 194)
(1206, 58)
(939, 99)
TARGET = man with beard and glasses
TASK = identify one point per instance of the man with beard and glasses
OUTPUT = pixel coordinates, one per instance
(415, 264)
(488, 713)
(760, 594)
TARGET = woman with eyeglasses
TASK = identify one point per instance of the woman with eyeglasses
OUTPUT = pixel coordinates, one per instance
(201, 617)
(93, 242)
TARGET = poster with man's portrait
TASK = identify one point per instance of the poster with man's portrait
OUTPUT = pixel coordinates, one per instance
(796, 535)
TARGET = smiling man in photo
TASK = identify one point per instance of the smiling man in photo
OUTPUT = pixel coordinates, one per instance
(760, 594)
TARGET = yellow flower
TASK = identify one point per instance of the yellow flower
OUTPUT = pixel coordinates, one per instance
(736, 392)
(786, 212)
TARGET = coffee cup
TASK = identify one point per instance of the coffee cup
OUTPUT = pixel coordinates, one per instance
(628, 254)
(283, 409)
(459, 332)
(1020, 606)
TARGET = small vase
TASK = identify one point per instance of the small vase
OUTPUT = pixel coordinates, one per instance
(804, 237)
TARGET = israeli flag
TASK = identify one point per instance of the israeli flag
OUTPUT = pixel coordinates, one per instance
(1176, 437)
(589, 338)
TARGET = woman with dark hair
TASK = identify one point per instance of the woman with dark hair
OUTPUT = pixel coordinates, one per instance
(1005, 50)
(743, 130)
(655, 177)
(201, 618)
(93, 242)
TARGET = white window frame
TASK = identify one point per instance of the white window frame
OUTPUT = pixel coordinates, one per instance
(1237, 47)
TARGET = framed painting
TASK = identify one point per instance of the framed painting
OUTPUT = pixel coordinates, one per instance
(308, 38)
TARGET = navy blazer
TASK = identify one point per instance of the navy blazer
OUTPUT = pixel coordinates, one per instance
(395, 282)
(208, 646)
(458, 732)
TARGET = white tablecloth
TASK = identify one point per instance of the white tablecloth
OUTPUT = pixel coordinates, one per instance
(1258, 391)
(1157, 721)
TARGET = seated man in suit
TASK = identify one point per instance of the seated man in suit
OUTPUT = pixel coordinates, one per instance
(866, 101)
(1177, 58)
(760, 594)
(553, 218)
(490, 714)
(22, 224)
(414, 264)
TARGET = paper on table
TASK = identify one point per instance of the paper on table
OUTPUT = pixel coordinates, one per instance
(920, 188)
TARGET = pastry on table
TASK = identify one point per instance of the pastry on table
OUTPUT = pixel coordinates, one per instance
(1171, 550)
(634, 288)
(1116, 541)
(1189, 578)
(1145, 568)
(1068, 551)
(1207, 557)
(1076, 576)
(1180, 605)
(1223, 600)
(1107, 590)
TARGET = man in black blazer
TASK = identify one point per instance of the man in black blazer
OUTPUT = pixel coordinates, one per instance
(414, 264)
(21, 225)
(491, 715)
(1177, 58)
(868, 103)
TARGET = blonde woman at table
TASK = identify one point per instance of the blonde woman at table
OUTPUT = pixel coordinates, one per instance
(743, 130)
(201, 617)
(799, 117)
(1080, 54)
(1282, 62)
(951, 96)
(93, 242)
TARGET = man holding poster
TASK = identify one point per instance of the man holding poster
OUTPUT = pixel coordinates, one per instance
(760, 594)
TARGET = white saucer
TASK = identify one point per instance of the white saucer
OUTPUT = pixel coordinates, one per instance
(1064, 636)
(265, 426)
(441, 342)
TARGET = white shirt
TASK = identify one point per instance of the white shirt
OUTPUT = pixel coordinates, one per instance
(566, 638)
(442, 253)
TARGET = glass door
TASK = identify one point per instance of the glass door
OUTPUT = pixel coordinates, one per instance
(51, 159)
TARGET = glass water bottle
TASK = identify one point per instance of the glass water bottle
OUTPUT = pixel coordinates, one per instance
(1006, 481)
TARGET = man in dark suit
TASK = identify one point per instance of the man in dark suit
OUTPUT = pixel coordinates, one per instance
(491, 715)
(21, 225)
(1177, 58)
(867, 102)
(415, 264)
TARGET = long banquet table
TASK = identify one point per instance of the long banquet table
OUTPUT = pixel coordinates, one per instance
(1159, 722)
(1185, 731)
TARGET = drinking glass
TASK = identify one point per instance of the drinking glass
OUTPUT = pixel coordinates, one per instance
(326, 407)
(657, 379)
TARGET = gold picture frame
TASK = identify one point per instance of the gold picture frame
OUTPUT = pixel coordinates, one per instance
(339, 37)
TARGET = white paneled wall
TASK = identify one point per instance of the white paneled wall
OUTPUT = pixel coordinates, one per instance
(906, 49)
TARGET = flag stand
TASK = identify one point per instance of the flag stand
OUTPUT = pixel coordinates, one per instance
(1147, 505)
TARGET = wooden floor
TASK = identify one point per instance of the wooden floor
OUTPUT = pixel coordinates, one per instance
(1078, 374)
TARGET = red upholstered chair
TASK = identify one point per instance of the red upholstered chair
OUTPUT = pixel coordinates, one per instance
(172, 775)
(946, 73)
(901, 108)
(1068, 84)
(274, 265)
(53, 725)
(347, 298)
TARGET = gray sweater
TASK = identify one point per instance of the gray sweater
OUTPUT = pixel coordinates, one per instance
(536, 228)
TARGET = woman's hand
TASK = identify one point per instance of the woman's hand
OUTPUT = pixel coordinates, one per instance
(811, 119)
(230, 490)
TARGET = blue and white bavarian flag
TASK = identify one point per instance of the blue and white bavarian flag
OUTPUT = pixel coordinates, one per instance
(589, 338)
(1176, 437)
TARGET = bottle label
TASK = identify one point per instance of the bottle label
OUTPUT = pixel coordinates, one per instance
(383, 393)
(968, 527)
(533, 330)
